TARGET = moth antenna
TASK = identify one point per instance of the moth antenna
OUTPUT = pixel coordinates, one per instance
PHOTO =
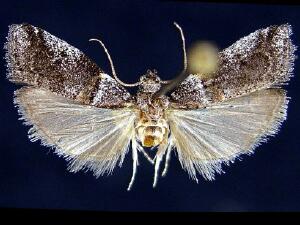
(113, 71)
(184, 51)
(183, 46)
(171, 84)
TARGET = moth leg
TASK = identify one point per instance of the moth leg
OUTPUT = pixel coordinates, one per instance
(135, 163)
(141, 149)
(158, 158)
(167, 161)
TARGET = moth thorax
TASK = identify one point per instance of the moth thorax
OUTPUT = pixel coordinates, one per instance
(152, 132)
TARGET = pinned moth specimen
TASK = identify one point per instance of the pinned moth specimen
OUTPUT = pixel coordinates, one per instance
(208, 118)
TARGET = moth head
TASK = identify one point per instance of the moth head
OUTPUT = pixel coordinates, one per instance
(150, 82)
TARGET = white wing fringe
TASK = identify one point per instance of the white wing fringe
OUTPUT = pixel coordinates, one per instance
(97, 139)
(89, 138)
(207, 138)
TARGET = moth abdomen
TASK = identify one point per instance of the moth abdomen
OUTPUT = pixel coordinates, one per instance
(152, 133)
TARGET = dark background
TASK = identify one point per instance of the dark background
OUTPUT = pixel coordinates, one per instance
(140, 35)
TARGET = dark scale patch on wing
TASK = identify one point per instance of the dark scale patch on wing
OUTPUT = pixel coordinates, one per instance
(191, 93)
(260, 60)
(38, 58)
(109, 93)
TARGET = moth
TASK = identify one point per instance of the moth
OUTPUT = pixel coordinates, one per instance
(89, 117)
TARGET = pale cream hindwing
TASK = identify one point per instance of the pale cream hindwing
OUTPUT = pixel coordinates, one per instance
(206, 138)
(90, 138)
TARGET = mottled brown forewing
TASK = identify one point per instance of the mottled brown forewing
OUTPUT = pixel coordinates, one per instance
(260, 60)
(38, 58)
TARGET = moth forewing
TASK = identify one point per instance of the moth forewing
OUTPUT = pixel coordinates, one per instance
(36, 57)
(205, 138)
(262, 59)
(92, 138)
